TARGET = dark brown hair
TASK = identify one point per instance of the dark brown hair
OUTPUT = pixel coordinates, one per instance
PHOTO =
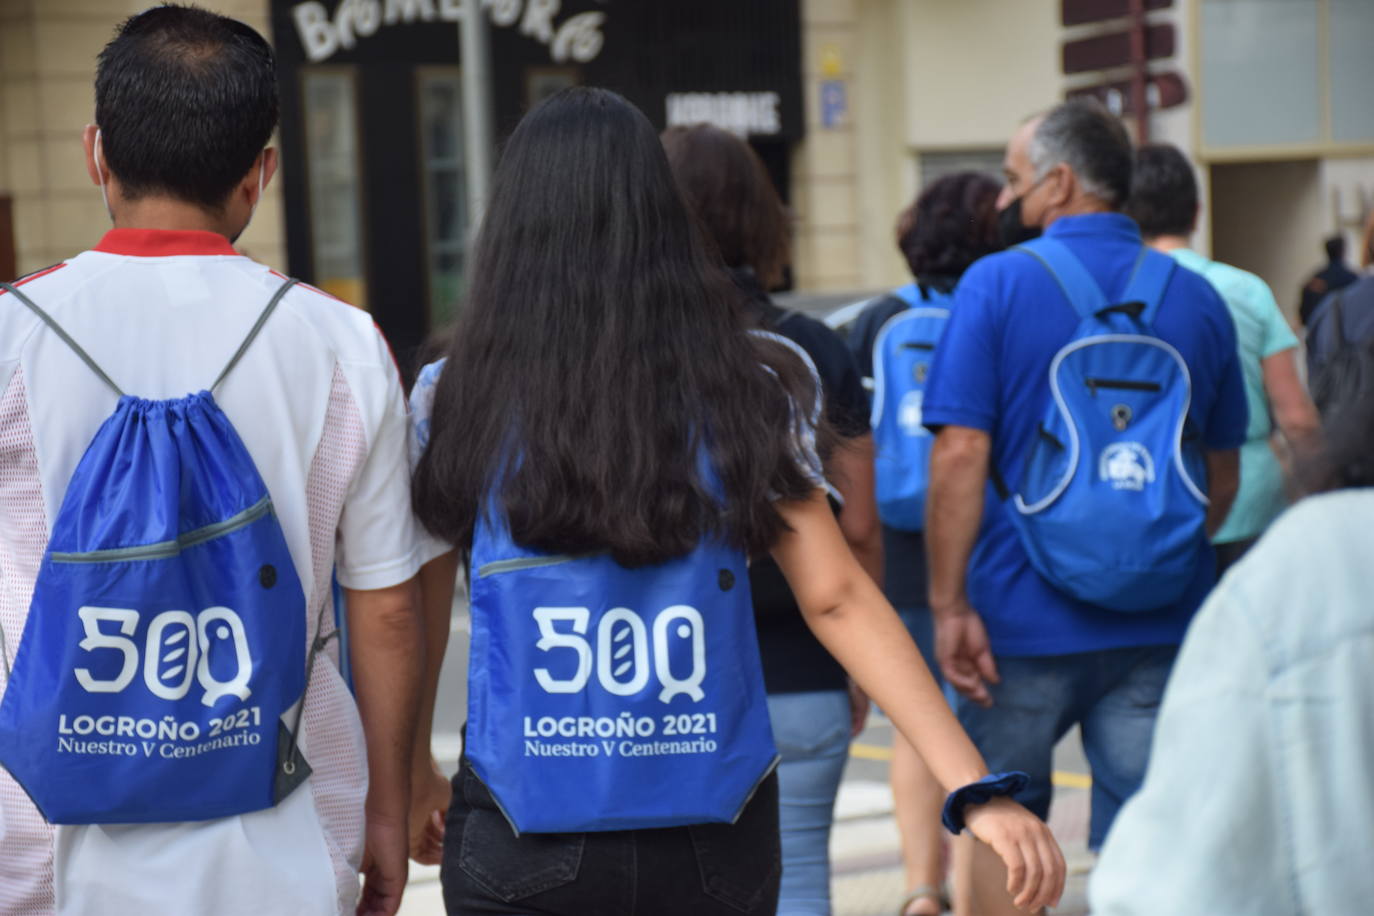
(599, 355)
(952, 224)
(729, 190)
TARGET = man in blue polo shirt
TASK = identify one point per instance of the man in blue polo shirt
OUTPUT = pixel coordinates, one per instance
(1027, 660)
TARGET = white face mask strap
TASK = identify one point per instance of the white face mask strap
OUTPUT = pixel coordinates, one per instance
(262, 175)
(100, 174)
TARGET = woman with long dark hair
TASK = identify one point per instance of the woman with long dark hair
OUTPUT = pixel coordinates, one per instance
(812, 709)
(604, 446)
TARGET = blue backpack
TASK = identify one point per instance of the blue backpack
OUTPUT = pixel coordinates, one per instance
(164, 648)
(902, 353)
(607, 698)
(1109, 508)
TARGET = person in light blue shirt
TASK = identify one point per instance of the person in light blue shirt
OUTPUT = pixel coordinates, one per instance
(1029, 661)
(1164, 202)
(1258, 798)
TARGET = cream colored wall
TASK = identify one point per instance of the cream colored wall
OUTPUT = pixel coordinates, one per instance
(976, 68)
(47, 68)
(1274, 216)
(1349, 197)
(921, 75)
(1268, 217)
(886, 179)
(826, 250)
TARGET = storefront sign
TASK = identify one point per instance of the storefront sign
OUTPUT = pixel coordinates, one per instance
(577, 38)
(743, 113)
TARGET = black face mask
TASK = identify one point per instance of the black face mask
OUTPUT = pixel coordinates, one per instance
(1010, 227)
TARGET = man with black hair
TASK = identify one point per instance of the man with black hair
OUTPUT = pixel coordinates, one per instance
(1164, 203)
(1335, 275)
(1028, 659)
(186, 102)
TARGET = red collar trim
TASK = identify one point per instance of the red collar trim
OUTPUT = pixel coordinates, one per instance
(161, 243)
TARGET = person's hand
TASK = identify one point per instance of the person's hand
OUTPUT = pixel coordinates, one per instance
(430, 793)
(964, 653)
(1035, 865)
(858, 709)
(384, 866)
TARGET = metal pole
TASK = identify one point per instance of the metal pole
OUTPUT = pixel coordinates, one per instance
(1139, 73)
(477, 116)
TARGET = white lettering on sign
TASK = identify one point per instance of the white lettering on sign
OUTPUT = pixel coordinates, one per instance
(177, 647)
(578, 38)
(623, 657)
(409, 11)
(742, 113)
(539, 15)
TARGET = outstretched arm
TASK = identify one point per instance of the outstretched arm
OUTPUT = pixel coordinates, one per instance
(850, 616)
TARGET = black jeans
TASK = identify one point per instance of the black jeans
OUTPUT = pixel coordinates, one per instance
(704, 870)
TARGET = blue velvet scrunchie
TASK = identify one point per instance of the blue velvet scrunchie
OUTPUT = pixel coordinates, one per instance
(980, 792)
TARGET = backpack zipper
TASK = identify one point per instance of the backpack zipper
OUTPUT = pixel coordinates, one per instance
(917, 345)
(164, 549)
(1123, 384)
(518, 563)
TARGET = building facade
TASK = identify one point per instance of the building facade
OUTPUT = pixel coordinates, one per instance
(1273, 114)
(853, 105)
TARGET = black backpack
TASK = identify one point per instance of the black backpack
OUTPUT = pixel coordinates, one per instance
(1340, 360)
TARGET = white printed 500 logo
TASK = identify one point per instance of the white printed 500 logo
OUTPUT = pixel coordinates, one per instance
(622, 656)
(179, 648)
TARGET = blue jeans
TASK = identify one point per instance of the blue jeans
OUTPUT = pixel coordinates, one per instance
(1112, 695)
(921, 625)
(811, 731)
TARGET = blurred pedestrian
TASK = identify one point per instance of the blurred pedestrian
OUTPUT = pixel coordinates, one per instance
(1097, 389)
(810, 705)
(1164, 203)
(604, 446)
(173, 707)
(1339, 333)
(1258, 798)
(1334, 276)
(951, 224)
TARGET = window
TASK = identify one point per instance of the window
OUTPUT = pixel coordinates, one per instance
(934, 166)
(444, 176)
(333, 163)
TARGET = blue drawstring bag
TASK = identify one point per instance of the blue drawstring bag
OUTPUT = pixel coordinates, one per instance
(607, 698)
(164, 649)
(902, 353)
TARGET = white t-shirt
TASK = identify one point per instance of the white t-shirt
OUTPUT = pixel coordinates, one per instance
(318, 403)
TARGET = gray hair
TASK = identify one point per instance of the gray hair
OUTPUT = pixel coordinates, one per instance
(1091, 141)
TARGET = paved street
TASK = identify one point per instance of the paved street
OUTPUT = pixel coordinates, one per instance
(867, 877)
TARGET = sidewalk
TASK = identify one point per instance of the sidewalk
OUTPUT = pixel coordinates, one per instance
(866, 873)
(865, 859)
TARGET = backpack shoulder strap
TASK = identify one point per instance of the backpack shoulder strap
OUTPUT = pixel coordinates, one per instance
(1338, 336)
(253, 333)
(911, 295)
(61, 333)
(1073, 278)
(1153, 271)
